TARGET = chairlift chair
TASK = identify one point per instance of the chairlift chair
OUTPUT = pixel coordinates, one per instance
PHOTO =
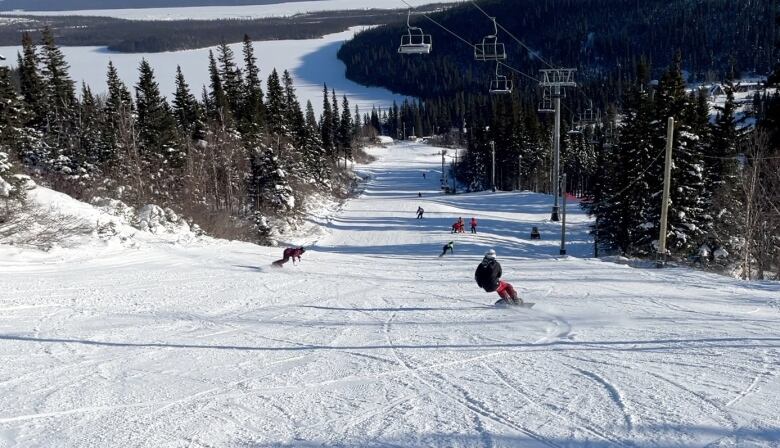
(415, 41)
(490, 49)
(501, 85)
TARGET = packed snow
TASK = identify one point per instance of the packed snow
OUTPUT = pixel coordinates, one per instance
(374, 340)
(312, 62)
(281, 9)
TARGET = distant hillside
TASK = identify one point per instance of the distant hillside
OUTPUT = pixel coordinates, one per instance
(74, 5)
(604, 39)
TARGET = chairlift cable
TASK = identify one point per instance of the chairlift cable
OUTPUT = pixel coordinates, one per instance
(509, 67)
(498, 25)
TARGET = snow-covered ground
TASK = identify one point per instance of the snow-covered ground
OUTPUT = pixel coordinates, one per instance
(236, 12)
(312, 62)
(373, 340)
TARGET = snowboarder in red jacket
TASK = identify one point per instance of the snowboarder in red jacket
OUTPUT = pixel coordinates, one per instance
(488, 277)
(290, 253)
(473, 225)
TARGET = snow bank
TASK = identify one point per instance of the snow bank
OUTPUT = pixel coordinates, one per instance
(53, 220)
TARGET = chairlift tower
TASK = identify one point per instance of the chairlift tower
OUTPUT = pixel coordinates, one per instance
(555, 81)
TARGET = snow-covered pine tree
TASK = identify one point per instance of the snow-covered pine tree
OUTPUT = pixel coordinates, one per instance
(157, 132)
(217, 106)
(12, 118)
(87, 153)
(118, 126)
(315, 157)
(185, 106)
(345, 135)
(687, 220)
(295, 121)
(59, 98)
(275, 106)
(252, 115)
(30, 82)
(326, 124)
(232, 80)
(722, 179)
(634, 178)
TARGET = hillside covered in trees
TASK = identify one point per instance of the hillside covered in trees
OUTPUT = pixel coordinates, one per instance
(74, 5)
(134, 36)
(725, 201)
(604, 39)
(241, 158)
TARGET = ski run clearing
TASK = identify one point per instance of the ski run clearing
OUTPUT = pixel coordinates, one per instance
(373, 340)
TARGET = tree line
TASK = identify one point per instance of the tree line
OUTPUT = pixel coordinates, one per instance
(239, 158)
(136, 36)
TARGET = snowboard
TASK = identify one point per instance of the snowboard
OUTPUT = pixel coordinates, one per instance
(502, 304)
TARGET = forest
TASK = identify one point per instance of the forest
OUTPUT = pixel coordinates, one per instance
(132, 36)
(75, 5)
(637, 65)
(240, 159)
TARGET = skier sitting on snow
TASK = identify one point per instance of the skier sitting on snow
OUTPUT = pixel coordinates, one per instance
(290, 253)
(448, 247)
(488, 277)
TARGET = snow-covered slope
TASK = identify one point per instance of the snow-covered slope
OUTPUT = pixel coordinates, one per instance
(373, 340)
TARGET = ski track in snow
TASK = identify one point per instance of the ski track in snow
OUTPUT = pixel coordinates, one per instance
(373, 340)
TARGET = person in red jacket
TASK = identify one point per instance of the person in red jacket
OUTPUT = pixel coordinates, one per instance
(290, 253)
(473, 225)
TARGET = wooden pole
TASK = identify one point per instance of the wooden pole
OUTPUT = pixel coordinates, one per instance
(662, 255)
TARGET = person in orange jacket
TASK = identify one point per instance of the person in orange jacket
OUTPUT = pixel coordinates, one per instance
(473, 225)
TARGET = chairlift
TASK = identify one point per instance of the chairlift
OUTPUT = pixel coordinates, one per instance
(490, 49)
(415, 41)
(501, 85)
(546, 104)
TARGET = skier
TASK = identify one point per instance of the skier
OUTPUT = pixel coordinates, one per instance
(420, 212)
(448, 247)
(488, 277)
(473, 225)
(290, 253)
(423, 174)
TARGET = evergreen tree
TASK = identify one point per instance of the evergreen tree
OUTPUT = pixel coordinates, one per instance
(294, 116)
(13, 114)
(87, 155)
(156, 128)
(688, 200)
(315, 158)
(276, 105)
(117, 116)
(345, 135)
(231, 79)
(253, 92)
(630, 188)
(185, 106)
(30, 82)
(218, 106)
(326, 125)
(59, 93)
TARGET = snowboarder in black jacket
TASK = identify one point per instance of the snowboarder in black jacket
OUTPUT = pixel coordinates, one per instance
(488, 277)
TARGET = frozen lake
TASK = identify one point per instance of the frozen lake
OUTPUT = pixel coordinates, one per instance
(237, 12)
(312, 63)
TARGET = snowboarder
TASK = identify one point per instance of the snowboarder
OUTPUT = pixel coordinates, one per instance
(290, 253)
(423, 174)
(448, 247)
(420, 212)
(473, 225)
(419, 194)
(488, 277)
